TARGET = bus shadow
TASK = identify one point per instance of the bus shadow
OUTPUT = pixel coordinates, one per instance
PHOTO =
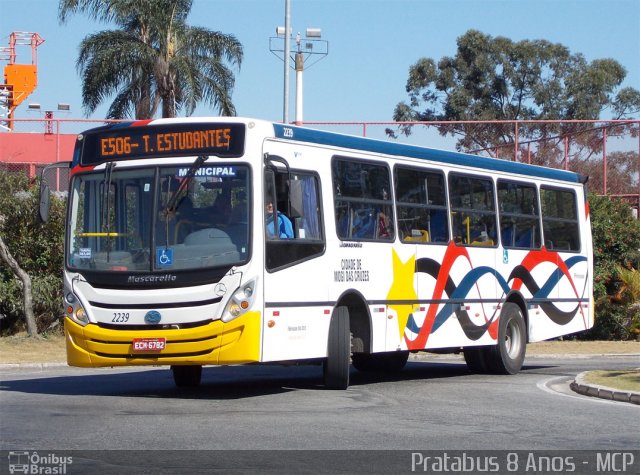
(420, 370)
(217, 383)
(228, 382)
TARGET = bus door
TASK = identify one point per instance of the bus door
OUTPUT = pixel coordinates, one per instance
(296, 310)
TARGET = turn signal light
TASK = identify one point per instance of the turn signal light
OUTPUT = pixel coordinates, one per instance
(240, 302)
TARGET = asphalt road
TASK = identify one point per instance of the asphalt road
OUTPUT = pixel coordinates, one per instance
(430, 405)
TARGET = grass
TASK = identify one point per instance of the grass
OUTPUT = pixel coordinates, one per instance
(623, 380)
(23, 349)
(572, 347)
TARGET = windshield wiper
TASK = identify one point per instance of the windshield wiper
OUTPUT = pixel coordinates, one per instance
(173, 201)
(106, 204)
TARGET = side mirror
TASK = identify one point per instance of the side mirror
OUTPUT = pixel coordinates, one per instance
(45, 190)
(45, 202)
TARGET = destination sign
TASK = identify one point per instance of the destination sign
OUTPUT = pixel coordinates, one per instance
(118, 143)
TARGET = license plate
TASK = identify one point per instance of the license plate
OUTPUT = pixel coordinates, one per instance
(149, 344)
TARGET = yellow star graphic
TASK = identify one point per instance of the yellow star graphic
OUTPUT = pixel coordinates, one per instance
(402, 288)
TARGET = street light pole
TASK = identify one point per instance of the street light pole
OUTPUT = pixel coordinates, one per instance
(310, 46)
(299, 70)
(48, 115)
(287, 47)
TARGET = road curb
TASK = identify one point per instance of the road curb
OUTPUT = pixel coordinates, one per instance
(580, 386)
(6, 366)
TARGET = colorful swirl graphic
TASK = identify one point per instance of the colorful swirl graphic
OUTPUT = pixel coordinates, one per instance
(446, 291)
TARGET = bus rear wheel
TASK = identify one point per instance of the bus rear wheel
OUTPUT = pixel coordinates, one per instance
(384, 362)
(335, 366)
(187, 376)
(476, 358)
(507, 356)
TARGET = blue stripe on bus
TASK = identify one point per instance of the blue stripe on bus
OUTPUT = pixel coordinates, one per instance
(321, 137)
(120, 125)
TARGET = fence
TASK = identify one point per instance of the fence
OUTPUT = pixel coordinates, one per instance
(35, 143)
(607, 151)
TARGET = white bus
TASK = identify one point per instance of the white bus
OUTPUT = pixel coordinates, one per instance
(219, 241)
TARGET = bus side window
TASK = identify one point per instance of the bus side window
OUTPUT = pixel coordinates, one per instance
(276, 214)
(362, 200)
(305, 206)
(519, 215)
(299, 235)
(473, 212)
(560, 219)
(421, 205)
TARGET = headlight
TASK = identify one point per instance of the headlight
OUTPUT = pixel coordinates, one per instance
(240, 302)
(74, 309)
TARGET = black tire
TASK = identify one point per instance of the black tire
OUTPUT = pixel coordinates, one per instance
(187, 376)
(476, 359)
(507, 356)
(335, 366)
(384, 362)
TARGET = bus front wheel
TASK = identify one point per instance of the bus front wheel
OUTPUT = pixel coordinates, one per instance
(187, 376)
(335, 366)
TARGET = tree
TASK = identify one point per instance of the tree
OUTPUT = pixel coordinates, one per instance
(496, 79)
(31, 257)
(7, 258)
(154, 60)
(622, 173)
(616, 246)
(629, 295)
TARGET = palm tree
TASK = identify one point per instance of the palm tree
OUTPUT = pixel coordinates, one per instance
(154, 60)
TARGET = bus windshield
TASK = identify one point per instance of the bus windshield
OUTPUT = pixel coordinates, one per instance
(142, 219)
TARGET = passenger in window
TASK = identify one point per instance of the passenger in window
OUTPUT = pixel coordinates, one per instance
(285, 228)
(240, 211)
(186, 219)
(220, 212)
(185, 209)
(383, 226)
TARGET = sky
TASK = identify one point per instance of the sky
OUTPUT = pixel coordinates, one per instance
(371, 45)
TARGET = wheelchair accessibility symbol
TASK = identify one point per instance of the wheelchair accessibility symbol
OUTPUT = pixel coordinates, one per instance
(164, 257)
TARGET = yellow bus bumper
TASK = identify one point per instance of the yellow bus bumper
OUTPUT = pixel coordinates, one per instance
(216, 343)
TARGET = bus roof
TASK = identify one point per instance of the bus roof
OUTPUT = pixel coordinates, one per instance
(352, 142)
(333, 139)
